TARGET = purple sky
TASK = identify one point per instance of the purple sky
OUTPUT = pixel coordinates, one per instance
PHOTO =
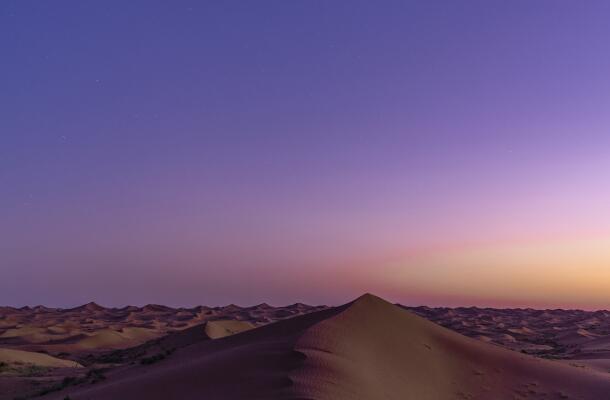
(238, 152)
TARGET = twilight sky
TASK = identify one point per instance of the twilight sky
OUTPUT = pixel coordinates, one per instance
(187, 152)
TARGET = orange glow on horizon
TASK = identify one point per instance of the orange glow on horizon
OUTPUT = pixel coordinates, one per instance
(568, 274)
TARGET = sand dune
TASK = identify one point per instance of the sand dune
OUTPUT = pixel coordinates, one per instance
(399, 355)
(556, 334)
(221, 328)
(91, 327)
(18, 357)
(368, 349)
(111, 339)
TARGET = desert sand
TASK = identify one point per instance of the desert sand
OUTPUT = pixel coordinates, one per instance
(12, 358)
(367, 349)
(53, 342)
(91, 327)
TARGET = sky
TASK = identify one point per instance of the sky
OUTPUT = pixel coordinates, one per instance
(187, 152)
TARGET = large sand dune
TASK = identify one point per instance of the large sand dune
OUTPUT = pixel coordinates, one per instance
(368, 349)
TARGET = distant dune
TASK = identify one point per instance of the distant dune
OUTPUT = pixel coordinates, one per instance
(221, 328)
(24, 358)
(554, 334)
(91, 327)
(111, 339)
(368, 349)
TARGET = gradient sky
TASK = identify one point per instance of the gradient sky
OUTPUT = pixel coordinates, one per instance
(188, 152)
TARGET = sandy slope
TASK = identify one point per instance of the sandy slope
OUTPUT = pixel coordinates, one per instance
(111, 339)
(375, 350)
(11, 357)
(222, 328)
(368, 349)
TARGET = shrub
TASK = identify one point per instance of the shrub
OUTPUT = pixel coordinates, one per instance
(152, 359)
(67, 381)
(31, 370)
(96, 375)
